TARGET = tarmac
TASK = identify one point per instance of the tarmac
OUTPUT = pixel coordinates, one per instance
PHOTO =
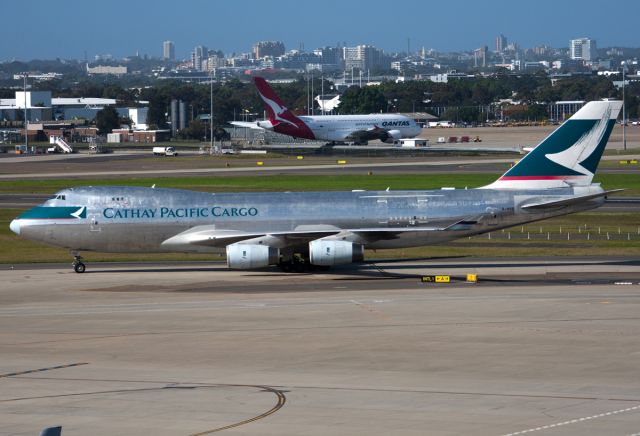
(546, 346)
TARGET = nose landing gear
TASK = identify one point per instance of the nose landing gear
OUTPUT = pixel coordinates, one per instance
(78, 266)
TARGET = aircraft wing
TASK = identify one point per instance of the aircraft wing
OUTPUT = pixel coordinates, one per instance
(550, 204)
(373, 133)
(209, 236)
(368, 134)
(246, 124)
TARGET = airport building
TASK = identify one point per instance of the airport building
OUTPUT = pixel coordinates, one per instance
(41, 107)
(138, 116)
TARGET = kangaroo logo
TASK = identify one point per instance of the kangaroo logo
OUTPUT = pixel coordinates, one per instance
(277, 110)
(584, 147)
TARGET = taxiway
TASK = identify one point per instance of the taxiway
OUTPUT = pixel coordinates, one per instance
(192, 349)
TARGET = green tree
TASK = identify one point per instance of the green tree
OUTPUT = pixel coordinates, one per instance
(107, 119)
(467, 114)
(365, 100)
(196, 130)
(156, 116)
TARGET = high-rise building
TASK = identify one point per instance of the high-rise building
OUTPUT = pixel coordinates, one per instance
(480, 56)
(351, 60)
(363, 57)
(501, 43)
(268, 48)
(329, 55)
(583, 49)
(168, 51)
(200, 53)
(212, 62)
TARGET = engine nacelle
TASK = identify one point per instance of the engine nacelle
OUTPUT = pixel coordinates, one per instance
(328, 252)
(393, 135)
(266, 124)
(248, 256)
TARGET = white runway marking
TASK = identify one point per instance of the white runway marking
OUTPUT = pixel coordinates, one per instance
(574, 421)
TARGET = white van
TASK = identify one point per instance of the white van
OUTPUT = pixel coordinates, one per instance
(164, 151)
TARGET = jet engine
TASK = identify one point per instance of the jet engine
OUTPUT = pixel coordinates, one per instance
(266, 124)
(393, 135)
(247, 256)
(325, 252)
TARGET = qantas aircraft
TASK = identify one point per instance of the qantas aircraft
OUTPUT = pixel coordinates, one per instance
(333, 128)
(295, 230)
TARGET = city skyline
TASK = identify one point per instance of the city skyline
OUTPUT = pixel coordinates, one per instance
(223, 27)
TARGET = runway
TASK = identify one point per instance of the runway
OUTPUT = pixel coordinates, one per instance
(172, 349)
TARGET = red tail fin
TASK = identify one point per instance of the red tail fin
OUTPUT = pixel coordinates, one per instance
(270, 100)
(283, 120)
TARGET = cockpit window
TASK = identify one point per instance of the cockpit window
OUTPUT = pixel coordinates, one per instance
(60, 197)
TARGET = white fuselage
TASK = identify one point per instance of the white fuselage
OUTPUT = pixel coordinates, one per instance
(340, 127)
(344, 127)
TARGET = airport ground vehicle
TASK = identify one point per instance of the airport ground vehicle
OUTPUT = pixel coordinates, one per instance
(164, 151)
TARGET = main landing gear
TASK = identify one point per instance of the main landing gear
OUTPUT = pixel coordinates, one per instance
(78, 266)
(295, 264)
(299, 264)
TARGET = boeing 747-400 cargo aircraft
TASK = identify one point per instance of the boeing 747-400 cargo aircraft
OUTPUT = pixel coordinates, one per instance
(298, 229)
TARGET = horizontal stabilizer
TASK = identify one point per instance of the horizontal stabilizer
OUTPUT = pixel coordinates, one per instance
(246, 125)
(552, 204)
(51, 431)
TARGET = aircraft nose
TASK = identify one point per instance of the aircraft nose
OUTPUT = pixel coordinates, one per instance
(15, 226)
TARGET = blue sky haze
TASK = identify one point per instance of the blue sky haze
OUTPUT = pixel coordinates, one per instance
(38, 29)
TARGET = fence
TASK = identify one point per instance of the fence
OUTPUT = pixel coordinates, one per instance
(566, 233)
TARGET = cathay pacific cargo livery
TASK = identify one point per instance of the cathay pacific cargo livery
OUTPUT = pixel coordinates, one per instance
(295, 230)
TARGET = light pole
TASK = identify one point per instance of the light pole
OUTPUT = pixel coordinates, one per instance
(26, 120)
(211, 150)
(308, 94)
(322, 111)
(624, 111)
(312, 96)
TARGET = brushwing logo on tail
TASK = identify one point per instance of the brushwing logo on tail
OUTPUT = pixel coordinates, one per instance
(574, 156)
(277, 110)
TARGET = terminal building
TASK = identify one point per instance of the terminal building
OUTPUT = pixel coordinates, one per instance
(42, 107)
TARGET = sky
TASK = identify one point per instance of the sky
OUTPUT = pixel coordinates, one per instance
(39, 29)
